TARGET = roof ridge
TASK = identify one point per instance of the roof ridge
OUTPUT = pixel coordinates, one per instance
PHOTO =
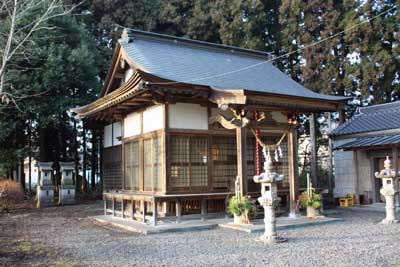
(128, 35)
(380, 107)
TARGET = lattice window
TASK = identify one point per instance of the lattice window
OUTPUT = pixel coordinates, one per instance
(188, 166)
(132, 166)
(224, 162)
(152, 149)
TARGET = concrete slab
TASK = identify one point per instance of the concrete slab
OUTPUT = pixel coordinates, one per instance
(257, 226)
(170, 227)
(198, 225)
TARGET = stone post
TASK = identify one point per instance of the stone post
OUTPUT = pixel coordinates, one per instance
(45, 188)
(67, 188)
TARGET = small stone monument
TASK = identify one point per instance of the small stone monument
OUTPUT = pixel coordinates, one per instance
(269, 199)
(388, 175)
(67, 188)
(45, 188)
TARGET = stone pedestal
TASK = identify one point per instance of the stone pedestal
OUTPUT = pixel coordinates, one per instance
(67, 188)
(45, 188)
(390, 207)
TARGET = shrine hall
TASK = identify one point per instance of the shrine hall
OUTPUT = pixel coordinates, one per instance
(181, 119)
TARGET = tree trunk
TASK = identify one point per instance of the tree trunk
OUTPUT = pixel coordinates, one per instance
(30, 156)
(43, 145)
(93, 160)
(22, 174)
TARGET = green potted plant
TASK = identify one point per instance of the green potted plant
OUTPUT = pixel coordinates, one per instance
(240, 207)
(312, 202)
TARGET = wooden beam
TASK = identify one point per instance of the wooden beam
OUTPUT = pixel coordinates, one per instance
(241, 148)
(313, 142)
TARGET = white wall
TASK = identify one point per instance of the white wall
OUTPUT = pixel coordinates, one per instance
(132, 125)
(344, 170)
(153, 118)
(187, 116)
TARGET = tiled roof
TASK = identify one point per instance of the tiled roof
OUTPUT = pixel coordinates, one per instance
(384, 140)
(370, 119)
(202, 63)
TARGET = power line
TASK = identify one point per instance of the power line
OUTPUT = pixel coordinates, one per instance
(280, 56)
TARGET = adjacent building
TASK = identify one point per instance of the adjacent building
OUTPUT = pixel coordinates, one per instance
(361, 145)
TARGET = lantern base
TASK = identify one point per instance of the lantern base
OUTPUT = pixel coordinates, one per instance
(271, 239)
(387, 221)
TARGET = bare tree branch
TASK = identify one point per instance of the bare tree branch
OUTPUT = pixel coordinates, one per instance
(24, 19)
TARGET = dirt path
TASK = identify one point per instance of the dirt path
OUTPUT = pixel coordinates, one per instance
(25, 233)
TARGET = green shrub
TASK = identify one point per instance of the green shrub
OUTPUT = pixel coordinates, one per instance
(240, 206)
(306, 201)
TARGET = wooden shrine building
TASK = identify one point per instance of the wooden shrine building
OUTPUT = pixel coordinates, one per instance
(172, 110)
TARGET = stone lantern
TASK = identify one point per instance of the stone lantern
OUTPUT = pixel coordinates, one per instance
(67, 188)
(269, 199)
(45, 189)
(388, 191)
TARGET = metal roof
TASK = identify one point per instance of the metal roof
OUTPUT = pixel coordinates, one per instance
(202, 63)
(370, 119)
(372, 141)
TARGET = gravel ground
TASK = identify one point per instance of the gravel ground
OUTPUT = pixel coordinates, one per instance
(66, 237)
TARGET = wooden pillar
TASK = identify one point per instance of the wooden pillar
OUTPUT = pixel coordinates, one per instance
(122, 208)
(144, 210)
(178, 209)
(226, 207)
(293, 172)
(356, 178)
(204, 209)
(241, 148)
(113, 206)
(154, 212)
(330, 155)
(395, 156)
(313, 142)
(133, 209)
(373, 182)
